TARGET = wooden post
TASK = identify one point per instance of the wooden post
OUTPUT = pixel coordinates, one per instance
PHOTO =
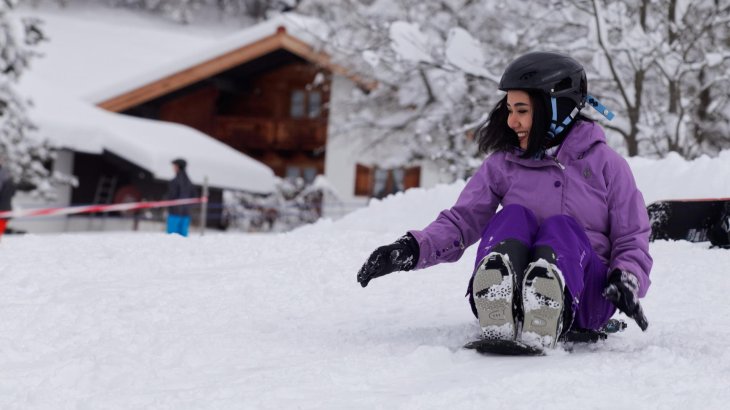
(204, 207)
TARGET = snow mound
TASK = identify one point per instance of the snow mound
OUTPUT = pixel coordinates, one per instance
(669, 178)
(674, 177)
(412, 209)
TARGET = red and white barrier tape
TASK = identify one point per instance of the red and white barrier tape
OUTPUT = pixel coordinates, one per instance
(128, 206)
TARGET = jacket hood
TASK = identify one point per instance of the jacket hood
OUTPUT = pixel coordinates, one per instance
(581, 138)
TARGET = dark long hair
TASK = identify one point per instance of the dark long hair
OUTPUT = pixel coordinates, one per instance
(495, 135)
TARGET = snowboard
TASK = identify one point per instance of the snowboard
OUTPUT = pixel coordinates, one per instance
(518, 348)
(694, 220)
(504, 347)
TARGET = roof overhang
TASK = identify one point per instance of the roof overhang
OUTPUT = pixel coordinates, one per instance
(280, 40)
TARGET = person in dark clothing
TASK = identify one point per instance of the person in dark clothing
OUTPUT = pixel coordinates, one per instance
(178, 218)
(7, 190)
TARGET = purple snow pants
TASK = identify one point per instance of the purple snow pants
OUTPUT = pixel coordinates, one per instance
(585, 274)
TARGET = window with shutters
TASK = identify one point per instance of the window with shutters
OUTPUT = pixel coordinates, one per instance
(306, 173)
(305, 104)
(380, 182)
(297, 106)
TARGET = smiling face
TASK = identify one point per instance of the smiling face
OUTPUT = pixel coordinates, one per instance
(519, 107)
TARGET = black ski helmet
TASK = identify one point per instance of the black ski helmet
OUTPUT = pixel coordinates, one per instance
(555, 74)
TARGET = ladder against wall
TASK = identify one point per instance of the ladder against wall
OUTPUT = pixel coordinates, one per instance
(106, 186)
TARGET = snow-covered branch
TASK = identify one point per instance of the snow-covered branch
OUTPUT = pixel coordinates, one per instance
(21, 150)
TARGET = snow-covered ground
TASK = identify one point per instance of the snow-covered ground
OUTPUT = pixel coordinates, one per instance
(226, 321)
(229, 321)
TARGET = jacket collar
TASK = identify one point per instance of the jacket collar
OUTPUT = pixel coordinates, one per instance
(581, 138)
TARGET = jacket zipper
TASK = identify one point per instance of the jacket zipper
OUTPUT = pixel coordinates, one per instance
(559, 164)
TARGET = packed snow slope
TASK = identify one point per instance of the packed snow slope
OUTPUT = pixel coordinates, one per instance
(229, 321)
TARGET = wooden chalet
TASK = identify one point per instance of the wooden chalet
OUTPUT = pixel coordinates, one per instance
(267, 99)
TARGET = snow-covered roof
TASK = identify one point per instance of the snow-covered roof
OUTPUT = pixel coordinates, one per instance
(230, 49)
(84, 63)
(150, 144)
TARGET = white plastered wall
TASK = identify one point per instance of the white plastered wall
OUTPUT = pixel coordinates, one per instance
(342, 153)
(345, 148)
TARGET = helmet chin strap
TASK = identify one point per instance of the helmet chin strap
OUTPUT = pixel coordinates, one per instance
(556, 128)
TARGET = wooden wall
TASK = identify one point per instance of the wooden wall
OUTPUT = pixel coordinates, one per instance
(195, 108)
(251, 110)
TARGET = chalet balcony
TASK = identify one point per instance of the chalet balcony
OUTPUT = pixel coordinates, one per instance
(255, 133)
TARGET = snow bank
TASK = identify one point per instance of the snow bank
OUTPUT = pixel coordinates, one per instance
(669, 178)
(676, 178)
(412, 209)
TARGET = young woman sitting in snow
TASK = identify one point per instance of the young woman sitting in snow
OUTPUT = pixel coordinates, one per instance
(570, 244)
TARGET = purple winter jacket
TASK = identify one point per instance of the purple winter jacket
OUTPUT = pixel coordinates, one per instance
(588, 181)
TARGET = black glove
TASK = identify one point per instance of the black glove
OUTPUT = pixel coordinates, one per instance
(401, 255)
(622, 291)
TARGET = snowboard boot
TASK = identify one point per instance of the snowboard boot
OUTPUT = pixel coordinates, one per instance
(492, 290)
(543, 304)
